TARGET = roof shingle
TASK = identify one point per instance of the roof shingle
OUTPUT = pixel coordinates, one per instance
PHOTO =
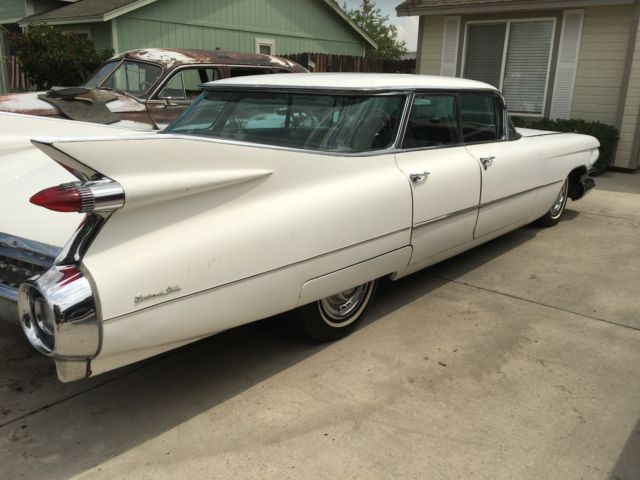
(80, 9)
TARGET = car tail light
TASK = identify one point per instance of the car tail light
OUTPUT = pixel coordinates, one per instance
(90, 197)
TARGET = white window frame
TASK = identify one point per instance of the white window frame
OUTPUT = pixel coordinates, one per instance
(270, 42)
(508, 23)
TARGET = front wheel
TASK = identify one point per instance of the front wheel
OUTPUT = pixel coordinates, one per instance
(552, 217)
(335, 316)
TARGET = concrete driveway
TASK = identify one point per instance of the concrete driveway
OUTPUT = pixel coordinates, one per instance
(517, 360)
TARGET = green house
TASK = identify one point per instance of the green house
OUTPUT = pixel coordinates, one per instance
(262, 26)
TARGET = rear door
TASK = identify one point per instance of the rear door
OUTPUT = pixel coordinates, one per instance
(444, 177)
(510, 170)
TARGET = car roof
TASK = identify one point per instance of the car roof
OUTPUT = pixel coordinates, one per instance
(170, 57)
(351, 81)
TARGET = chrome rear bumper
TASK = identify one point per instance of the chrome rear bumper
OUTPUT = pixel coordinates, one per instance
(20, 259)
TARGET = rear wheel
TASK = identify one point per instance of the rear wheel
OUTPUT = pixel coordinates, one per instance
(552, 217)
(335, 316)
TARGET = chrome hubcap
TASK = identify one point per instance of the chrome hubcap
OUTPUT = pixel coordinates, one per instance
(341, 309)
(558, 206)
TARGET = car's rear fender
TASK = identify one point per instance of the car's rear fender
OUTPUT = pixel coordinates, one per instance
(214, 234)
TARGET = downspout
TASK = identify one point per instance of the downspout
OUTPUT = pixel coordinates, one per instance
(4, 75)
(114, 36)
(634, 159)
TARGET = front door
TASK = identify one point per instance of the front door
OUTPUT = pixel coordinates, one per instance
(510, 170)
(444, 178)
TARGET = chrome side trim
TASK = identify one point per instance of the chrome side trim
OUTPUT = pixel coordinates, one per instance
(76, 168)
(445, 217)
(478, 207)
(267, 272)
(498, 200)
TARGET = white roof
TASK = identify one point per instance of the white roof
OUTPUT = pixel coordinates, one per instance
(352, 81)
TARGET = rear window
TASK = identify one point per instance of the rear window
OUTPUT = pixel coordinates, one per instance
(334, 123)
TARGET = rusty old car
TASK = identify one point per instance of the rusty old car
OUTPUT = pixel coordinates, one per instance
(144, 89)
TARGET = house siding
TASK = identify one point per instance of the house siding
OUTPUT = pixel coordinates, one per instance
(296, 27)
(11, 10)
(603, 52)
(628, 155)
(430, 48)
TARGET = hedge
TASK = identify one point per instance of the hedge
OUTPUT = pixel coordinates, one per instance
(606, 134)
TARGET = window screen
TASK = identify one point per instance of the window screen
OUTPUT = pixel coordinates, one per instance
(521, 70)
(525, 75)
(485, 44)
(433, 122)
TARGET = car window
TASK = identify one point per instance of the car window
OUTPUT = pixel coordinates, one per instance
(185, 85)
(103, 72)
(433, 122)
(480, 118)
(135, 78)
(339, 123)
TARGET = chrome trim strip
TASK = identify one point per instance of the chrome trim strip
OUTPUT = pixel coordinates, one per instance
(199, 292)
(492, 202)
(478, 207)
(75, 167)
(445, 217)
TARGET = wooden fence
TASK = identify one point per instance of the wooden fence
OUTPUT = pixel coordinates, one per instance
(322, 62)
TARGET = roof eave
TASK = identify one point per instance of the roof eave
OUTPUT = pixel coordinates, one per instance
(336, 8)
(62, 21)
(417, 10)
(126, 9)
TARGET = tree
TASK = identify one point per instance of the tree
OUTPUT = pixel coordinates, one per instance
(50, 57)
(370, 18)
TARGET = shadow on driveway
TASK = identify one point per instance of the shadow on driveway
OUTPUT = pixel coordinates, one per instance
(155, 396)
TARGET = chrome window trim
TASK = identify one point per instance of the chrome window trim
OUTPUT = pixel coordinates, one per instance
(146, 94)
(153, 97)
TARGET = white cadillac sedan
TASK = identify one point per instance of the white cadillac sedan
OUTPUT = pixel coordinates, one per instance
(268, 194)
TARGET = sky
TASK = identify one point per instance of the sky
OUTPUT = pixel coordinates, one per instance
(407, 26)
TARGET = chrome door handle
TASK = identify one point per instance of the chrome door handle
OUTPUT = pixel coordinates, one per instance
(419, 177)
(487, 161)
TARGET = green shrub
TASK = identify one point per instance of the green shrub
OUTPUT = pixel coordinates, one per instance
(50, 57)
(606, 134)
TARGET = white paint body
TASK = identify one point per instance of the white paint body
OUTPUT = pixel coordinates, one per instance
(247, 231)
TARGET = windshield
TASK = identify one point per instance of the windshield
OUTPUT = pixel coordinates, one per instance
(135, 78)
(327, 122)
(103, 72)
